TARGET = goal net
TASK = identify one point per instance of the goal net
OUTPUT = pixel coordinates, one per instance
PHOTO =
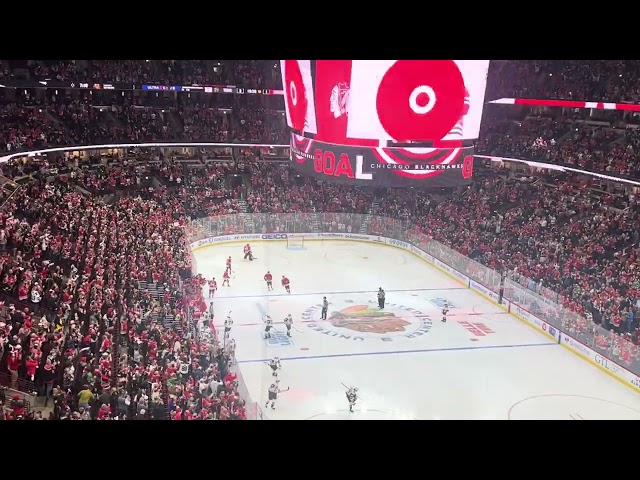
(295, 242)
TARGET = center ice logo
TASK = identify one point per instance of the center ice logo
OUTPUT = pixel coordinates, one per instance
(361, 322)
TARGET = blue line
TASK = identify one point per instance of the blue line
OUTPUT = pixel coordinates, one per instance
(399, 352)
(341, 293)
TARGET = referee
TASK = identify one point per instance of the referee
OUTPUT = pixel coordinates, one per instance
(381, 298)
(325, 306)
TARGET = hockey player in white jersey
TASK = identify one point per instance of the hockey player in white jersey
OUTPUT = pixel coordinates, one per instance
(275, 366)
(230, 348)
(288, 322)
(352, 397)
(228, 323)
(274, 390)
(268, 324)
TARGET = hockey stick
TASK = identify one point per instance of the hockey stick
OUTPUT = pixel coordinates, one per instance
(287, 389)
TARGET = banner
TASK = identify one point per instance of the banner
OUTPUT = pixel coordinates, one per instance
(385, 167)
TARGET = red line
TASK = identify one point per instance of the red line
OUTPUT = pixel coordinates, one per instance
(417, 316)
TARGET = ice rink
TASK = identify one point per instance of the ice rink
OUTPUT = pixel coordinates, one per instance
(482, 364)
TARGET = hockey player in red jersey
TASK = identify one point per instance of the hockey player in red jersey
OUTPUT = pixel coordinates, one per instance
(213, 286)
(269, 279)
(286, 283)
(247, 252)
(225, 278)
(229, 264)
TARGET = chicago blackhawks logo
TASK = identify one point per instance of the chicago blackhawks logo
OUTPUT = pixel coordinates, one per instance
(339, 100)
(365, 321)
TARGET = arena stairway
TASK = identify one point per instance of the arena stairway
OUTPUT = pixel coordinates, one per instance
(364, 227)
(315, 224)
(247, 217)
(156, 291)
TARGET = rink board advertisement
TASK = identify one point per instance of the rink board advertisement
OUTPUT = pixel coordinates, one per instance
(385, 167)
(601, 361)
(566, 341)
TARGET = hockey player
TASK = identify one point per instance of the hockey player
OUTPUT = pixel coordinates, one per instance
(229, 265)
(247, 252)
(288, 322)
(228, 323)
(445, 310)
(230, 348)
(269, 279)
(274, 390)
(268, 323)
(286, 284)
(225, 278)
(213, 286)
(275, 366)
(211, 311)
(352, 397)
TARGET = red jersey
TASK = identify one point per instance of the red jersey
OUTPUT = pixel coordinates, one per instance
(247, 249)
(285, 281)
(268, 277)
(213, 284)
(225, 275)
(228, 262)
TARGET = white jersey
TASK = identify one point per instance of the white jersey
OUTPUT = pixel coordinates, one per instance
(228, 322)
(267, 321)
(274, 364)
(288, 321)
(352, 395)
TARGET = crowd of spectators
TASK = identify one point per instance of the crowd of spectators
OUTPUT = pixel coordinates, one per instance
(583, 80)
(600, 149)
(100, 312)
(66, 121)
(80, 324)
(245, 73)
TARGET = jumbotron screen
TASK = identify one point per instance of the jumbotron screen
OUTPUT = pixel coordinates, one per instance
(406, 120)
(357, 102)
(381, 166)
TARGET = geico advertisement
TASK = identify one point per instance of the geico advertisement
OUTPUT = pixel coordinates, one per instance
(391, 167)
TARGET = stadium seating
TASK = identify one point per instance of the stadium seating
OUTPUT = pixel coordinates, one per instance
(108, 332)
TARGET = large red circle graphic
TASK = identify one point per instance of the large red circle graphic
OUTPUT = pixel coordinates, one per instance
(420, 100)
(296, 94)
